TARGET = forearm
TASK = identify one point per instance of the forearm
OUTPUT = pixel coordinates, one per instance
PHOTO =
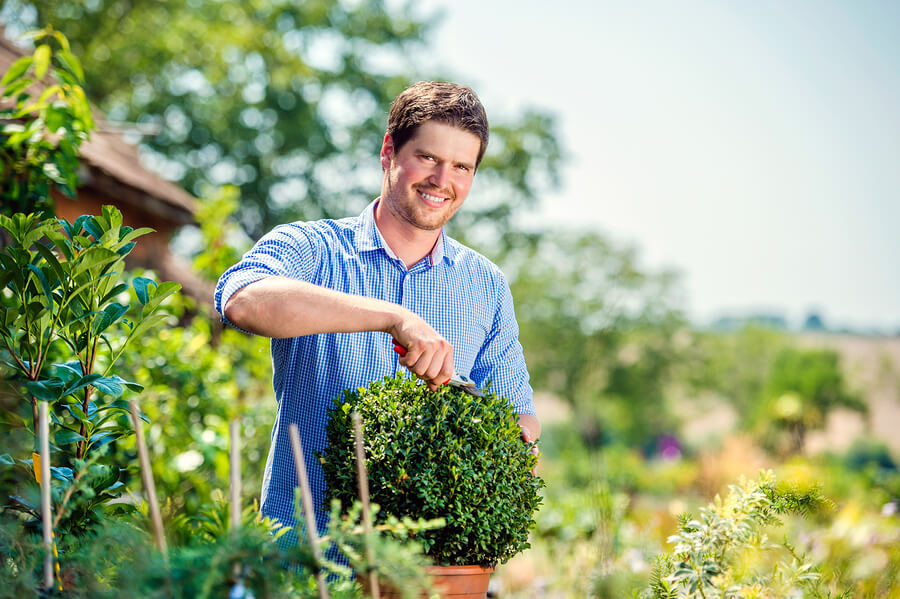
(281, 307)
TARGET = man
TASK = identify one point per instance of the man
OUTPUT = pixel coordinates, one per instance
(333, 294)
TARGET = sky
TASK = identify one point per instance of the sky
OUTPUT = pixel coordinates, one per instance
(752, 146)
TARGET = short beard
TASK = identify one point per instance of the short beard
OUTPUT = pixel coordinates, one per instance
(407, 216)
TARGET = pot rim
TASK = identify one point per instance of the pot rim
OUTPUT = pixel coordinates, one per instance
(459, 570)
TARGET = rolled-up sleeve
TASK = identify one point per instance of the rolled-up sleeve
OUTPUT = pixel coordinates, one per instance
(501, 360)
(287, 251)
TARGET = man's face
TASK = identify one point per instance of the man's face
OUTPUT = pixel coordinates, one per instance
(428, 179)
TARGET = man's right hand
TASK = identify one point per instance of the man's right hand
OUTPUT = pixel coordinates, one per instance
(428, 355)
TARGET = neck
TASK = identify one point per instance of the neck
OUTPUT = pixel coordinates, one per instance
(409, 243)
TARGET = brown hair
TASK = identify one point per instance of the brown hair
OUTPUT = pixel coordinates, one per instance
(440, 101)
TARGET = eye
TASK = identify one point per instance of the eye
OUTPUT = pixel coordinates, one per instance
(428, 157)
(462, 168)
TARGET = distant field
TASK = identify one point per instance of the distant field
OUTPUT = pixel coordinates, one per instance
(872, 365)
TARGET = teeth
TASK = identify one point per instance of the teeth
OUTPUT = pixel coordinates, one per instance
(432, 198)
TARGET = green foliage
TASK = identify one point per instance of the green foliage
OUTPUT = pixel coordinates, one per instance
(197, 376)
(733, 365)
(67, 316)
(286, 100)
(212, 559)
(718, 555)
(803, 387)
(440, 454)
(40, 136)
(397, 557)
(598, 332)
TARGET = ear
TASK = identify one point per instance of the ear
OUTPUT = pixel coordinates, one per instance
(387, 152)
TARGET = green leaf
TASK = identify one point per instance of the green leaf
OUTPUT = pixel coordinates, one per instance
(141, 288)
(51, 259)
(110, 314)
(16, 70)
(82, 108)
(66, 436)
(45, 285)
(121, 287)
(73, 366)
(83, 382)
(17, 87)
(41, 60)
(46, 390)
(61, 241)
(76, 412)
(132, 235)
(71, 63)
(164, 290)
(62, 473)
(48, 93)
(93, 227)
(93, 257)
(111, 385)
(17, 138)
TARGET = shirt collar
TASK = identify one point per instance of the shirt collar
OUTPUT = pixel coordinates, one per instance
(370, 238)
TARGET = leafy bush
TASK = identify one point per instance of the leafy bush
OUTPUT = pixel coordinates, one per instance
(442, 454)
(40, 137)
(722, 554)
(66, 317)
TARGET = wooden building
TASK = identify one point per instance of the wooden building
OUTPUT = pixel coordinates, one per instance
(111, 173)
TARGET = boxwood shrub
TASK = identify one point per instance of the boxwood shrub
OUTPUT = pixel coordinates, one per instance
(441, 454)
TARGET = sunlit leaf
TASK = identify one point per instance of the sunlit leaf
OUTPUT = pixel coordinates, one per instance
(16, 69)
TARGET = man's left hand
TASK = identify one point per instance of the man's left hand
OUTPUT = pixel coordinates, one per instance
(530, 431)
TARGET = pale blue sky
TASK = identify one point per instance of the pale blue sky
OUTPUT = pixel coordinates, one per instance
(754, 146)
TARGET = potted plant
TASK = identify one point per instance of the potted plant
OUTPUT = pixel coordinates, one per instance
(440, 454)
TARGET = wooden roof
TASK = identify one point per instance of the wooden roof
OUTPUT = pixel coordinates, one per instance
(114, 167)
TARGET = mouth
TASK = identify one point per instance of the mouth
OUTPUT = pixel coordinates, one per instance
(432, 200)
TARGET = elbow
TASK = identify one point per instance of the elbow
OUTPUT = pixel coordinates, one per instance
(237, 310)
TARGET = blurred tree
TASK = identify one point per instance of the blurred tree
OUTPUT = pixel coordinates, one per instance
(733, 365)
(286, 100)
(597, 331)
(814, 322)
(803, 387)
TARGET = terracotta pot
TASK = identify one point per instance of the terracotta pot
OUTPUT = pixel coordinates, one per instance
(452, 582)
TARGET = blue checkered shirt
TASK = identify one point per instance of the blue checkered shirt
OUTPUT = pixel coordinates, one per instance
(457, 291)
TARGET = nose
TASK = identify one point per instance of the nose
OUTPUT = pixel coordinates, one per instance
(440, 176)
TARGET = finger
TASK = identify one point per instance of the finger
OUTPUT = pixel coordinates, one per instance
(441, 367)
(526, 434)
(411, 358)
(422, 363)
(447, 368)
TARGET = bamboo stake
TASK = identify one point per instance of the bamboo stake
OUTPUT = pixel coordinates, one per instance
(235, 470)
(308, 512)
(364, 499)
(147, 477)
(46, 518)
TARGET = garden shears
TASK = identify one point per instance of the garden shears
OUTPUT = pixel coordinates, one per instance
(460, 381)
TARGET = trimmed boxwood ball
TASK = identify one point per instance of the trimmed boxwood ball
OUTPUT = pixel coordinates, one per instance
(439, 454)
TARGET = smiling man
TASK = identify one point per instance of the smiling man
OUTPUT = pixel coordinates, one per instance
(332, 294)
